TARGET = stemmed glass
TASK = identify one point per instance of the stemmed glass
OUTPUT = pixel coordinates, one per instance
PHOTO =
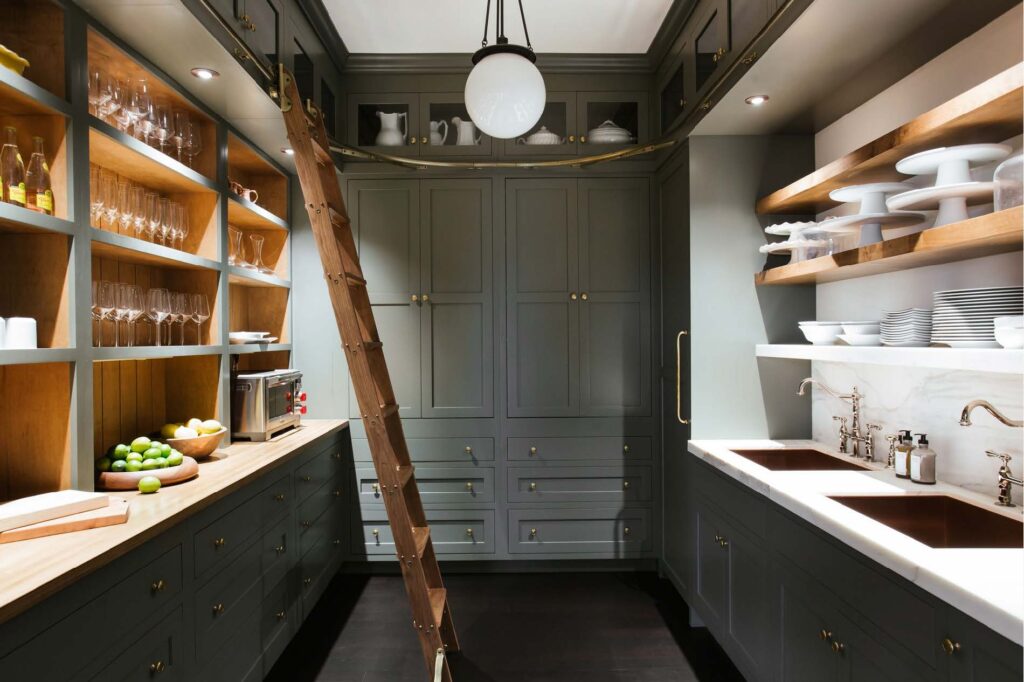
(166, 218)
(97, 312)
(193, 141)
(108, 192)
(157, 309)
(200, 314)
(182, 227)
(125, 215)
(122, 310)
(163, 124)
(142, 106)
(153, 217)
(182, 312)
(181, 124)
(95, 192)
(106, 300)
(133, 310)
(100, 93)
(235, 257)
(137, 201)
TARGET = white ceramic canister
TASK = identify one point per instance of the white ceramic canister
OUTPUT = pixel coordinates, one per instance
(20, 333)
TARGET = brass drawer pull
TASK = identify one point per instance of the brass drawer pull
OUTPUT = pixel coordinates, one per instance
(279, 497)
(722, 542)
(376, 533)
(625, 485)
(533, 532)
(573, 296)
(469, 486)
(469, 450)
(625, 448)
(280, 615)
(336, 493)
(533, 451)
(838, 647)
(717, 56)
(305, 524)
(376, 489)
(412, 140)
(469, 532)
(280, 549)
(307, 479)
(533, 486)
(307, 581)
(156, 667)
(218, 609)
(584, 296)
(950, 647)
(218, 543)
(157, 586)
(572, 138)
(626, 531)
(336, 455)
(336, 543)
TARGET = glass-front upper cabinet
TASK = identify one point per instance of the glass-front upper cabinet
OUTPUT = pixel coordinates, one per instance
(610, 120)
(261, 27)
(554, 134)
(674, 96)
(710, 43)
(385, 123)
(445, 128)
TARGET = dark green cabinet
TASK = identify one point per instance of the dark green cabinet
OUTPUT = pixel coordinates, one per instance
(441, 116)
(709, 43)
(425, 249)
(559, 119)
(974, 655)
(578, 296)
(260, 27)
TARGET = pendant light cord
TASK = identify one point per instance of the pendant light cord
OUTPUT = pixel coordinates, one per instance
(499, 24)
(487, 19)
(525, 30)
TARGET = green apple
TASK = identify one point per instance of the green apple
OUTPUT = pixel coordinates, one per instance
(103, 464)
(140, 444)
(118, 466)
(149, 484)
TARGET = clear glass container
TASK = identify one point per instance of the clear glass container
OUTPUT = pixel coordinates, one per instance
(1009, 179)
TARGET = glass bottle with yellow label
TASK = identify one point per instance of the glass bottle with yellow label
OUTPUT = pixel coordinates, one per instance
(38, 193)
(12, 170)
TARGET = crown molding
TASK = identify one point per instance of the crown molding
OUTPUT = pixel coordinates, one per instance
(460, 63)
(676, 18)
(320, 19)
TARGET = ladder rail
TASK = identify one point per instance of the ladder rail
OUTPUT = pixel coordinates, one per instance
(371, 380)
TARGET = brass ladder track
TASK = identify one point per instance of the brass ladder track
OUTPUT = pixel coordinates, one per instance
(346, 283)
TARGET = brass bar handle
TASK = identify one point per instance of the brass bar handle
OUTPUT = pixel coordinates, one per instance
(950, 647)
(679, 372)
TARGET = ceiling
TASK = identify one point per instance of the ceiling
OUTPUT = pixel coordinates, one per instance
(562, 26)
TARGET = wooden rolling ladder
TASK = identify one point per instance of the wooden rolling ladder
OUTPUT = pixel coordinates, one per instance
(432, 618)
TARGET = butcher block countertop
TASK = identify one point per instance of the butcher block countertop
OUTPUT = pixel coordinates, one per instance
(33, 570)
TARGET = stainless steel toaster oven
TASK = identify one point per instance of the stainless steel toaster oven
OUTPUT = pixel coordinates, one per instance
(265, 403)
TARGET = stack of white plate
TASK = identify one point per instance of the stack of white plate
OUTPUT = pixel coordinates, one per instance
(964, 318)
(910, 327)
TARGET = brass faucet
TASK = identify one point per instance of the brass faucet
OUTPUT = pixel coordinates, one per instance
(853, 433)
(965, 415)
(1006, 479)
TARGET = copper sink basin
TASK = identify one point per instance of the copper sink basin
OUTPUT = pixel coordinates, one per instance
(797, 459)
(940, 521)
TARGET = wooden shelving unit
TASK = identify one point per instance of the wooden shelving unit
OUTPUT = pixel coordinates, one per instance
(134, 389)
(995, 360)
(982, 236)
(989, 112)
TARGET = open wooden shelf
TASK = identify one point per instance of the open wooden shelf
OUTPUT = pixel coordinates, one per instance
(247, 348)
(252, 170)
(140, 252)
(111, 353)
(136, 397)
(34, 29)
(259, 309)
(31, 118)
(981, 236)
(250, 216)
(277, 356)
(251, 278)
(995, 360)
(35, 281)
(123, 154)
(36, 356)
(21, 97)
(989, 112)
(35, 428)
(18, 220)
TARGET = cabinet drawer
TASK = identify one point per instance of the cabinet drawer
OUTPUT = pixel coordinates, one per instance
(314, 505)
(275, 499)
(620, 448)
(155, 655)
(579, 484)
(326, 526)
(448, 485)
(278, 619)
(452, 532)
(315, 573)
(276, 553)
(215, 544)
(321, 468)
(436, 450)
(226, 601)
(608, 532)
(238, 659)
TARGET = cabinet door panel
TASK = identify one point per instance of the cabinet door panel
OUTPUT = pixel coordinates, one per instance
(614, 248)
(984, 656)
(263, 34)
(712, 580)
(805, 656)
(543, 320)
(458, 340)
(399, 329)
(749, 601)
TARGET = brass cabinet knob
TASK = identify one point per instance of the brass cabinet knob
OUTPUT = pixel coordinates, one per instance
(533, 486)
(723, 543)
(336, 542)
(625, 485)
(279, 549)
(469, 486)
(584, 296)
(307, 479)
(626, 531)
(157, 586)
(469, 450)
(414, 298)
(307, 582)
(572, 138)
(682, 104)
(305, 524)
(336, 455)
(425, 298)
(469, 532)
(412, 140)
(583, 139)
(572, 296)
(825, 635)
(156, 667)
(336, 493)
(625, 448)
(950, 647)
(279, 497)
(533, 532)
(718, 539)
(423, 140)
(376, 532)
(838, 647)
(218, 543)
(280, 615)
(705, 105)
(376, 489)
(533, 451)
(218, 609)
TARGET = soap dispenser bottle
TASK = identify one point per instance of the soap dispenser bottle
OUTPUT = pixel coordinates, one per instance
(922, 461)
(903, 450)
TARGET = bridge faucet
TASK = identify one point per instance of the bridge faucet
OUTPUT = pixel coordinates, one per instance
(1006, 479)
(965, 415)
(853, 433)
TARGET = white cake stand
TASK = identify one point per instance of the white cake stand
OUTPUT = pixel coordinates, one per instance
(954, 190)
(797, 248)
(872, 214)
(786, 229)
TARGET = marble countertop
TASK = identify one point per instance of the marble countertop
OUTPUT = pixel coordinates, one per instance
(986, 584)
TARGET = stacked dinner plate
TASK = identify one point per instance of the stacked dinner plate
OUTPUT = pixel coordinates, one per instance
(964, 318)
(910, 327)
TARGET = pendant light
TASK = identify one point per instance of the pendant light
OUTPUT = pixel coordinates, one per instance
(505, 93)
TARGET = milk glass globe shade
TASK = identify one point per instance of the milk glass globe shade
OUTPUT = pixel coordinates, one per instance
(505, 95)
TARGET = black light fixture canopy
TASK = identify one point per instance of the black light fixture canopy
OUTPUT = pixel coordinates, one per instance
(501, 44)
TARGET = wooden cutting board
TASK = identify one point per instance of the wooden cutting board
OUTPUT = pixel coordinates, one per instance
(39, 508)
(129, 480)
(115, 512)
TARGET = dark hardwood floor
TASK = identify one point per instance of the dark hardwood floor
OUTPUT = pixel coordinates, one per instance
(536, 627)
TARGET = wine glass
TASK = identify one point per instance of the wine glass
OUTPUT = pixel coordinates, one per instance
(125, 217)
(200, 314)
(193, 141)
(182, 228)
(176, 210)
(122, 310)
(97, 315)
(95, 194)
(134, 310)
(118, 105)
(108, 189)
(137, 200)
(163, 124)
(181, 124)
(152, 215)
(182, 312)
(166, 218)
(106, 300)
(157, 310)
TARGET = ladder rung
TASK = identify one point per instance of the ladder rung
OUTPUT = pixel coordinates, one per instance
(421, 534)
(404, 475)
(338, 218)
(355, 280)
(438, 598)
(388, 410)
(373, 345)
(323, 157)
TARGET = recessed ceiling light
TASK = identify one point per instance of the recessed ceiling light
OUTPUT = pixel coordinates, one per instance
(204, 74)
(756, 100)
(288, 150)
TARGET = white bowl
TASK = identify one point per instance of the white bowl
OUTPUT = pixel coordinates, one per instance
(862, 327)
(821, 335)
(1011, 321)
(1010, 337)
(862, 339)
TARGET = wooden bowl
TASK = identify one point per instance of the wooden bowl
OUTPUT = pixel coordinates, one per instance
(129, 480)
(198, 447)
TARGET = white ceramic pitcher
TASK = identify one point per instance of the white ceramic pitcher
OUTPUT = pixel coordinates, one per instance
(467, 132)
(390, 135)
(437, 138)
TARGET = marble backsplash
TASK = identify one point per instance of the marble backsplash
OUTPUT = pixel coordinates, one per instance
(930, 401)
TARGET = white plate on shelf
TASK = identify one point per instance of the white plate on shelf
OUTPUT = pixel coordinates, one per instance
(928, 198)
(862, 339)
(907, 344)
(967, 344)
(262, 339)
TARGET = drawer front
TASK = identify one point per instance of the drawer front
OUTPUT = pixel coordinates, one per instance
(326, 526)
(321, 468)
(624, 449)
(276, 553)
(314, 506)
(579, 484)
(226, 602)
(468, 450)
(314, 574)
(745, 507)
(156, 655)
(219, 541)
(452, 532)
(145, 591)
(275, 499)
(608, 532)
(238, 659)
(447, 485)
(278, 619)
